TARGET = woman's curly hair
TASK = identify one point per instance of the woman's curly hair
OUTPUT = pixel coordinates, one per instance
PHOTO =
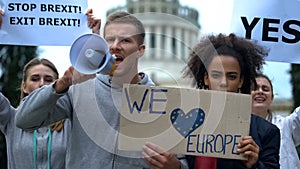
(249, 54)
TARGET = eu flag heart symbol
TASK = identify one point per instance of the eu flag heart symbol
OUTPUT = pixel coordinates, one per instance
(186, 123)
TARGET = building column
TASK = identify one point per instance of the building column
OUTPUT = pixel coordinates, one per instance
(187, 44)
(168, 45)
(147, 41)
(178, 43)
(158, 45)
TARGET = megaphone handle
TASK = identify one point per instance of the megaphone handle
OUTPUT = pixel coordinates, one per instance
(102, 61)
(111, 72)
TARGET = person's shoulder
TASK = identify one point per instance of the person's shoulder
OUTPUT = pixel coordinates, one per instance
(5, 103)
(262, 123)
(2, 98)
(103, 79)
(278, 119)
(261, 129)
(297, 110)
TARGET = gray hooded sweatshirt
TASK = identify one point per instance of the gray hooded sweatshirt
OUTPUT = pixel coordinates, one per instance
(94, 109)
(49, 151)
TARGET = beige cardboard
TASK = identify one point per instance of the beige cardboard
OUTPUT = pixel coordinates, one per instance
(225, 118)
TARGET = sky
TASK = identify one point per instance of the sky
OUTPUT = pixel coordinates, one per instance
(210, 11)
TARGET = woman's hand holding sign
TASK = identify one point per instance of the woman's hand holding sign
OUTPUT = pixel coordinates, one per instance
(249, 148)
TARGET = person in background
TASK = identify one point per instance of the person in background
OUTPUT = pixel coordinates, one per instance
(5, 108)
(45, 147)
(95, 147)
(229, 64)
(262, 98)
(3, 154)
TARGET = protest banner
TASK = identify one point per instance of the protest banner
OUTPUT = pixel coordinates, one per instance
(273, 23)
(43, 23)
(184, 121)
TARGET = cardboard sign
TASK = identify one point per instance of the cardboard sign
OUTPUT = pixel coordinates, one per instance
(184, 121)
(50, 23)
(273, 23)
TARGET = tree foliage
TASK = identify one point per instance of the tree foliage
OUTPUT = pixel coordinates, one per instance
(295, 81)
(12, 61)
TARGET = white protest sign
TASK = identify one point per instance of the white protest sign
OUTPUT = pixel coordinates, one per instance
(184, 121)
(273, 23)
(38, 23)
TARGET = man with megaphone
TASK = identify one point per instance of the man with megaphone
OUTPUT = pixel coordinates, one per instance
(93, 105)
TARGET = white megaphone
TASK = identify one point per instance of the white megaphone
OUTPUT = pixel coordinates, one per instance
(90, 54)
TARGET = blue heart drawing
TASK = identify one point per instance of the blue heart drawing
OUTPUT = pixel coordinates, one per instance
(187, 123)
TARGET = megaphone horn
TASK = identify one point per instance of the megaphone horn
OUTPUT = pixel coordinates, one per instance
(90, 54)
